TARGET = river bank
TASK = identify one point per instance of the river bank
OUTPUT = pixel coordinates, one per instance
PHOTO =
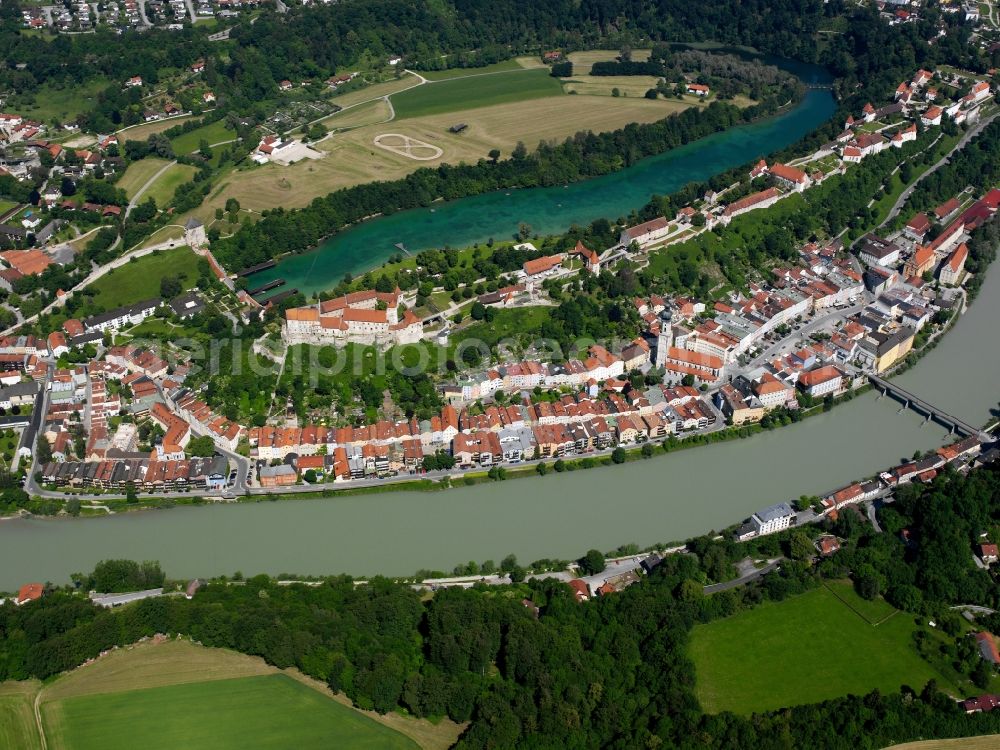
(476, 219)
(675, 496)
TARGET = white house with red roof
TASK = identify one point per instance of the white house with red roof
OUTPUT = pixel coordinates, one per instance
(646, 234)
(790, 177)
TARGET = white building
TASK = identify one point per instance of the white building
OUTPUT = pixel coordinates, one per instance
(772, 519)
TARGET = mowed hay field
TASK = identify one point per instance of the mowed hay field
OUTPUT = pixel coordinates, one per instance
(369, 113)
(469, 92)
(179, 695)
(162, 191)
(138, 173)
(17, 718)
(583, 60)
(354, 158)
(812, 647)
(266, 711)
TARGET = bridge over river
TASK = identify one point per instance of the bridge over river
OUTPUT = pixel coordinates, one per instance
(916, 403)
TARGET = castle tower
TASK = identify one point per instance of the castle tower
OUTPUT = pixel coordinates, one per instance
(665, 339)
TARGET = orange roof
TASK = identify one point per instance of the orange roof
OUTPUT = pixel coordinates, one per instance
(359, 315)
(29, 592)
(540, 265)
(27, 262)
(957, 257)
(819, 375)
(694, 358)
(923, 256)
(791, 174)
(304, 314)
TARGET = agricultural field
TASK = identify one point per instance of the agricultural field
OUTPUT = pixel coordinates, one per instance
(813, 647)
(375, 91)
(582, 61)
(17, 719)
(214, 132)
(603, 85)
(472, 91)
(176, 694)
(367, 113)
(146, 129)
(134, 282)
(356, 159)
(266, 711)
(138, 173)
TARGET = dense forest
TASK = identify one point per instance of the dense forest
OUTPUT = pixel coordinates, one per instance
(612, 672)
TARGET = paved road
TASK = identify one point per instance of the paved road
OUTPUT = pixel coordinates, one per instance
(790, 342)
(969, 135)
(753, 576)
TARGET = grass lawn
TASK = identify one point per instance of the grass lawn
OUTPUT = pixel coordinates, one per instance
(266, 711)
(140, 280)
(810, 648)
(162, 191)
(214, 132)
(139, 172)
(475, 91)
(17, 720)
(6, 206)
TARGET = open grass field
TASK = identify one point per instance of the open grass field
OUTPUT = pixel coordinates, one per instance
(806, 649)
(214, 132)
(354, 158)
(603, 85)
(265, 711)
(139, 172)
(146, 129)
(582, 61)
(17, 718)
(176, 694)
(460, 94)
(134, 282)
(50, 101)
(162, 191)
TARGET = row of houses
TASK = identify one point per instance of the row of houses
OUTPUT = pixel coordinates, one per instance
(142, 474)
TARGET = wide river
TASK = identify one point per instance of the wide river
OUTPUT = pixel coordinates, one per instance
(466, 221)
(666, 498)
